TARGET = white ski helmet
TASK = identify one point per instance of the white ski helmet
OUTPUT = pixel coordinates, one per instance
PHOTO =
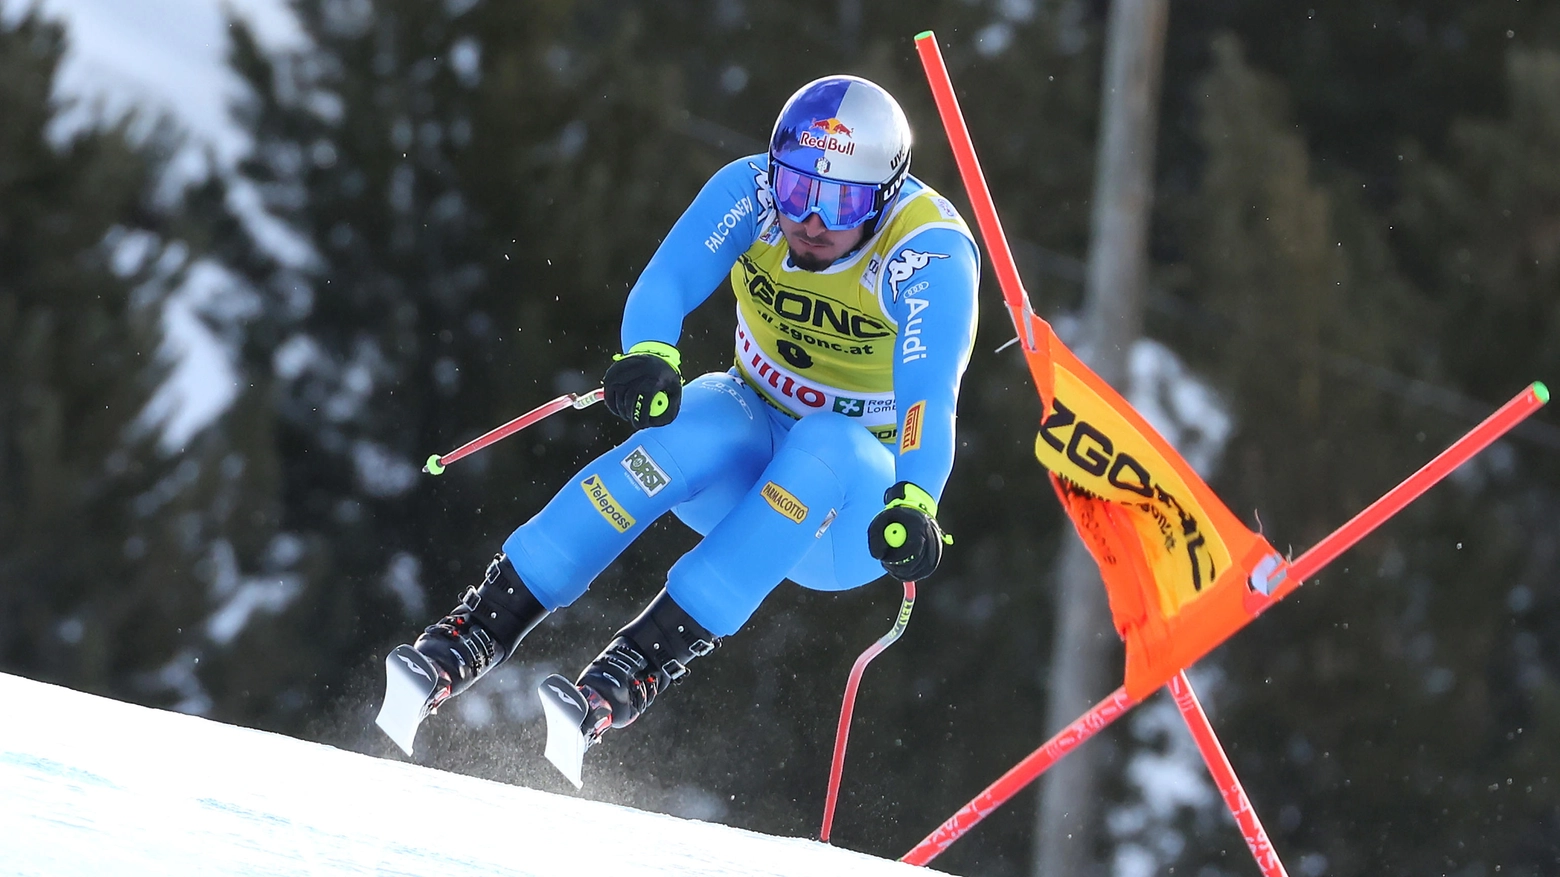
(840, 149)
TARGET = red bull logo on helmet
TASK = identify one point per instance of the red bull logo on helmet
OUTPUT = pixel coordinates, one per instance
(835, 136)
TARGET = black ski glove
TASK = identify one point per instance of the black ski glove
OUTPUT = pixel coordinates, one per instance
(643, 385)
(904, 536)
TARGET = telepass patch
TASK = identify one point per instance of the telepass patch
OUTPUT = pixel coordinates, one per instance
(606, 503)
(783, 502)
(911, 439)
(647, 473)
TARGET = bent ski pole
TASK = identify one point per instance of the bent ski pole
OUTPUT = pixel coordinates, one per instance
(1306, 565)
(436, 463)
(848, 706)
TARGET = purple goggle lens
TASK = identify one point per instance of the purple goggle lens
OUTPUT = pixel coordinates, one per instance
(841, 206)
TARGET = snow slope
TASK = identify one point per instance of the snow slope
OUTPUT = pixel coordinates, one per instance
(91, 786)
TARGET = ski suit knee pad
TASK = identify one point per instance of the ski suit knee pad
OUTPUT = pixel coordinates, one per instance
(646, 657)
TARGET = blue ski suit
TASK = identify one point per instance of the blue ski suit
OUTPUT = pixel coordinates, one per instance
(845, 383)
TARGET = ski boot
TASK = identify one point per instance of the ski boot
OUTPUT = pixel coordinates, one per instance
(644, 659)
(454, 652)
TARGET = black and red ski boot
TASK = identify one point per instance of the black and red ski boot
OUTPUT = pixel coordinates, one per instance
(643, 660)
(457, 650)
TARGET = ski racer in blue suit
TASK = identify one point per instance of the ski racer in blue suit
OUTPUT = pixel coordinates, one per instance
(818, 457)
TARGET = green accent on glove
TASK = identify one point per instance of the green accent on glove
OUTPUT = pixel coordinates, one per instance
(656, 348)
(432, 466)
(894, 534)
(915, 497)
(666, 351)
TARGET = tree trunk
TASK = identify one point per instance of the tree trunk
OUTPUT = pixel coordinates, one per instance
(1112, 321)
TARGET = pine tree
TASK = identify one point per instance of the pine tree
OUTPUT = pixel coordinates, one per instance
(1379, 697)
(459, 187)
(98, 546)
(1482, 225)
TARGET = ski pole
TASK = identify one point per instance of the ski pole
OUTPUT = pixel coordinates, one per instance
(1306, 565)
(436, 463)
(848, 706)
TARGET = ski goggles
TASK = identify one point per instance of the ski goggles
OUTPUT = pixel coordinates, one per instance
(841, 206)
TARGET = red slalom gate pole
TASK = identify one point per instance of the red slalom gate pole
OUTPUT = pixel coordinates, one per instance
(1117, 704)
(437, 462)
(985, 209)
(848, 706)
(1477, 439)
(1022, 774)
(1307, 565)
(1224, 777)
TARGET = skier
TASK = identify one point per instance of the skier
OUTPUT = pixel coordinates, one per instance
(819, 457)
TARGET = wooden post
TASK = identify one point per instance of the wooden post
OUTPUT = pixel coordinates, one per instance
(1112, 321)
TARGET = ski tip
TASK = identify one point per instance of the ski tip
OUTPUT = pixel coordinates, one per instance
(923, 35)
(408, 687)
(1541, 391)
(565, 710)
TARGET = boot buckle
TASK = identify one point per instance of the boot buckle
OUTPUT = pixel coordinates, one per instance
(674, 669)
(471, 599)
(489, 647)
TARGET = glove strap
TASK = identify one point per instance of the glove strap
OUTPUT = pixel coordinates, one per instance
(907, 494)
(655, 348)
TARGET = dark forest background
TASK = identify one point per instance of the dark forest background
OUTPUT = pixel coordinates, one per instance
(1356, 245)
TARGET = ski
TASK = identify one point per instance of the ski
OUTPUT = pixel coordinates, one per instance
(567, 712)
(411, 688)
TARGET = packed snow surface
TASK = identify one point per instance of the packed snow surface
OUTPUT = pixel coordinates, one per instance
(91, 786)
